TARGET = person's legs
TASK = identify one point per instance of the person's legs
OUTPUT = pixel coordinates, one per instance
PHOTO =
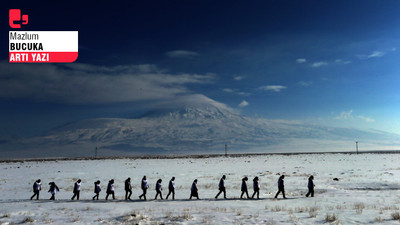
(34, 194)
(224, 193)
(312, 192)
(241, 196)
(169, 192)
(173, 194)
(113, 195)
(277, 193)
(126, 194)
(220, 191)
(130, 194)
(107, 196)
(283, 193)
(160, 194)
(258, 194)
(247, 193)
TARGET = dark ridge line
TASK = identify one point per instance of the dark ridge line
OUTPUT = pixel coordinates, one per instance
(194, 156)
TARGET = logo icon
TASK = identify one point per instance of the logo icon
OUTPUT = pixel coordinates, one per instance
(15, 19)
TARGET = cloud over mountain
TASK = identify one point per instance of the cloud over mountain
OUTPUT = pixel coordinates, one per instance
(89, 84)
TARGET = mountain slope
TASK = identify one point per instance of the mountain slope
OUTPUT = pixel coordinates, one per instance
(196, 126)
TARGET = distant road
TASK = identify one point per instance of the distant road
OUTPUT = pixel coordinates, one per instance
(195, 156)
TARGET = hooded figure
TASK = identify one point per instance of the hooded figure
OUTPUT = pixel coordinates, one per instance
(37, 187)
(144, 187)
(53, 190)
(244, 187)
(128, 189)
(97, 189)
(110, 189)
(221, 187)
(310, 186)
(256, 187)
(77, 189)
(171, 188)
(281, 186)
(158, 189)
(194, 191)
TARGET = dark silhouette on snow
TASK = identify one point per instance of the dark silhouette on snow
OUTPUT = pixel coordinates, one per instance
(97, 190)
(310, 186)
(158, 189)
(77, 189)
(193, 190)
(221, 187)
(53, 190)
(256, 188)
(110, 189)
(37, 187)
(171, 188)
(144, 187)
(128, 189)
(244, 187)
(281, 186)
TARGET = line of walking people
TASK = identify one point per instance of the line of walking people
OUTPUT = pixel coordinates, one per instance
(53, 188)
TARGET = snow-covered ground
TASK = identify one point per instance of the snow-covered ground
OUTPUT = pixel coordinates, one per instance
(368, 190)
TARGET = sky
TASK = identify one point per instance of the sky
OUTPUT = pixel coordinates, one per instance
(320, 62)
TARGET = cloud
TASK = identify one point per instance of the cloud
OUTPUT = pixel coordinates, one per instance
(228, 90)
(244, 103)
(181, 54)
(340, 61)
(90, 84)
(374, 54)
(366, 119)
(238, 78)
(301, 60)
(192, 100)
(319, 64)
(236, 91)
(345, 115)
(305, 83)
(274, 88)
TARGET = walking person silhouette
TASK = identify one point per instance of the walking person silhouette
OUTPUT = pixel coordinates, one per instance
(158, 189)
(221, 187)
(110, 189)
(194, 190)
(97, 190)
(144, 187)
(37, 187)
(171, 188)
(77, 189)
(244, 187)
(281, 186)
(310, 186)
(53, 190)
(128, 189)
(256, 188)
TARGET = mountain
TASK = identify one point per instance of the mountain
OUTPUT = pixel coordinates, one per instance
(200, 125)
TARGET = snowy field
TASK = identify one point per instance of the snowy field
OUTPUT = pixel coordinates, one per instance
(368, 190)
